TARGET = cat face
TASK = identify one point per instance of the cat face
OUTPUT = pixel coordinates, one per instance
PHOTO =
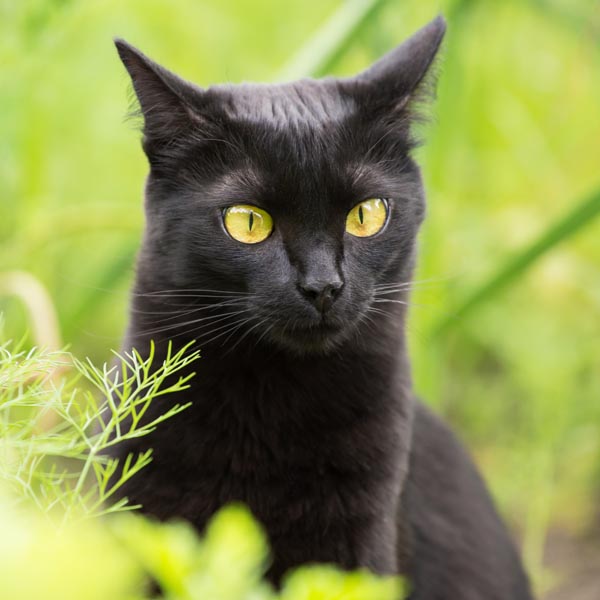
(300, 199)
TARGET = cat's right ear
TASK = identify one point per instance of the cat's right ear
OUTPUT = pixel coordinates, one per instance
(169, 105)
(392, 84)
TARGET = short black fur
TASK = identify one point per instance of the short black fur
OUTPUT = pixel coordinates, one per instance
(305, 413)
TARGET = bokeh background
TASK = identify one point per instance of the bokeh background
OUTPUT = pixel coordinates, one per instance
(505, 328)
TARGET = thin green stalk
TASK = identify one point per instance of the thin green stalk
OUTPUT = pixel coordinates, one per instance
(583, 214)
(317, 57)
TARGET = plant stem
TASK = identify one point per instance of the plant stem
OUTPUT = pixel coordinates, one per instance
(583, 214)
(317, 57)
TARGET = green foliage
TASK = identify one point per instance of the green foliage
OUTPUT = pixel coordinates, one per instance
(82, 562)
(63, 535)
(114, 559)
(325, 48)
(228, 563)
(581, 216)
(326, 583)
(54, 434)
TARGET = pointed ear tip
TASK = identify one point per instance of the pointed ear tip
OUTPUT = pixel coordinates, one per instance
(119, 42)
(439, 26)
(125, 49)
(440, 21)
(436, 27)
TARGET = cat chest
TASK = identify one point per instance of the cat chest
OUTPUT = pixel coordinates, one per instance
(314, 473)
(295, 486)
(270, 451)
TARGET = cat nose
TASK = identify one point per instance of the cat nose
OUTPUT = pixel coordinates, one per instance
(322, 294)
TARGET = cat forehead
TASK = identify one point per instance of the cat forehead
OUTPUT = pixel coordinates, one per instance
(305, 102)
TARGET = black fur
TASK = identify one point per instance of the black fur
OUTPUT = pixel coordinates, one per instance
(308, 418)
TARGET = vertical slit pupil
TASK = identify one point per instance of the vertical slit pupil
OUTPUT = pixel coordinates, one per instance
(250, 220)
(361, 216)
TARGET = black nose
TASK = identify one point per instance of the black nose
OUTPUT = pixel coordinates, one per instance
(321, 294)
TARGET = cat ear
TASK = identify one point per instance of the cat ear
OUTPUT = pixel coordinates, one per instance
(394, 79)
(169, 105)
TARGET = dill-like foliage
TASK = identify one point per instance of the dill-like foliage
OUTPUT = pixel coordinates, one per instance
(59, 415)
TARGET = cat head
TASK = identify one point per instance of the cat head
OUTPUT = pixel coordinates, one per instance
(286, 210)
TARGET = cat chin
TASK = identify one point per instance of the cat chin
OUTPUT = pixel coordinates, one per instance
(309, 340)
(306, 347)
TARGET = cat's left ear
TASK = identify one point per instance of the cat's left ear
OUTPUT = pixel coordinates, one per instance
(169, 105)
(393, 80)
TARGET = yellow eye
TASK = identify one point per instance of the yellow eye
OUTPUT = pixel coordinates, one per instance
(367, 217)
(248, 224)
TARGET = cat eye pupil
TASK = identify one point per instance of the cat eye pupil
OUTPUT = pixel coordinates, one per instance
(367, 217)
(247, 223)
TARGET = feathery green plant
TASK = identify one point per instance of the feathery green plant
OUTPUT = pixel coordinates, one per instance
(55, 432)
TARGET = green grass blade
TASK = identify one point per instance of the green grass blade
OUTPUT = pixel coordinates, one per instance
(331, 41)
(582, 215)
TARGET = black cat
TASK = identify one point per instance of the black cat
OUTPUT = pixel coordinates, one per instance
(281, 226)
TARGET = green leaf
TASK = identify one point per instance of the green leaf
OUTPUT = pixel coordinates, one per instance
(332, 40)
(329, 583)
(583, 214)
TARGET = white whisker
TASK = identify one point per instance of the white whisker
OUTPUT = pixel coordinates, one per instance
(234, 324)
(248, 331)
(185, 310)
(212, 318)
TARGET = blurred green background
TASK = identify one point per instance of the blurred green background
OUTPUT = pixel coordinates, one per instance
(505, 333)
